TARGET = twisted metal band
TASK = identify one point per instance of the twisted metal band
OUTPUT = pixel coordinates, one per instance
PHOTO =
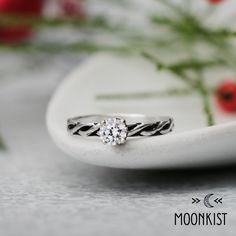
(137, 125)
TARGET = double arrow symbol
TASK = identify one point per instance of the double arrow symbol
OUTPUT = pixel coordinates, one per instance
(218, 200)
(195, 200)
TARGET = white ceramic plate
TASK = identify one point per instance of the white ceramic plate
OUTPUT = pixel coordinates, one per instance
(191, 144)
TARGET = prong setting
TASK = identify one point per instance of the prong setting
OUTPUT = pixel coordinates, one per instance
(113, 131)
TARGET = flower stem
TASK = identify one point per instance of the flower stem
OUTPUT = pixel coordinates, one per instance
(146, 95)
(82, 47)
(205, 95)
(197, 84)
(181, 67)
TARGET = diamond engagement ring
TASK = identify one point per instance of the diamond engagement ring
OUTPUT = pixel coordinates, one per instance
(116, 128)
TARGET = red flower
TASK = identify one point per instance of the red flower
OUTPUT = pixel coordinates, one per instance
(73, 8)
(18, 32)
(215, 1)
(226, 96)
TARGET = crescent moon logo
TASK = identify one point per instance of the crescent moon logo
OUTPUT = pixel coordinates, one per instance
(207, 200)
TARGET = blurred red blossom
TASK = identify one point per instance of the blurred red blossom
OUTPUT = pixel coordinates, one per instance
(65, 9)
(215, 1)
(226, 96)
(73, 8)
(18, 32)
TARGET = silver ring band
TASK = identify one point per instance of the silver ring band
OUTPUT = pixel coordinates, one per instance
(115, 128)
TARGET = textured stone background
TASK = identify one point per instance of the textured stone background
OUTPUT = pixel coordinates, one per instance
(44, 192)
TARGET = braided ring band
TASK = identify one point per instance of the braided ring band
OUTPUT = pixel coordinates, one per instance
(116, 128)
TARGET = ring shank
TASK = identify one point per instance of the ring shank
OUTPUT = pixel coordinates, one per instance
(139, 125)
